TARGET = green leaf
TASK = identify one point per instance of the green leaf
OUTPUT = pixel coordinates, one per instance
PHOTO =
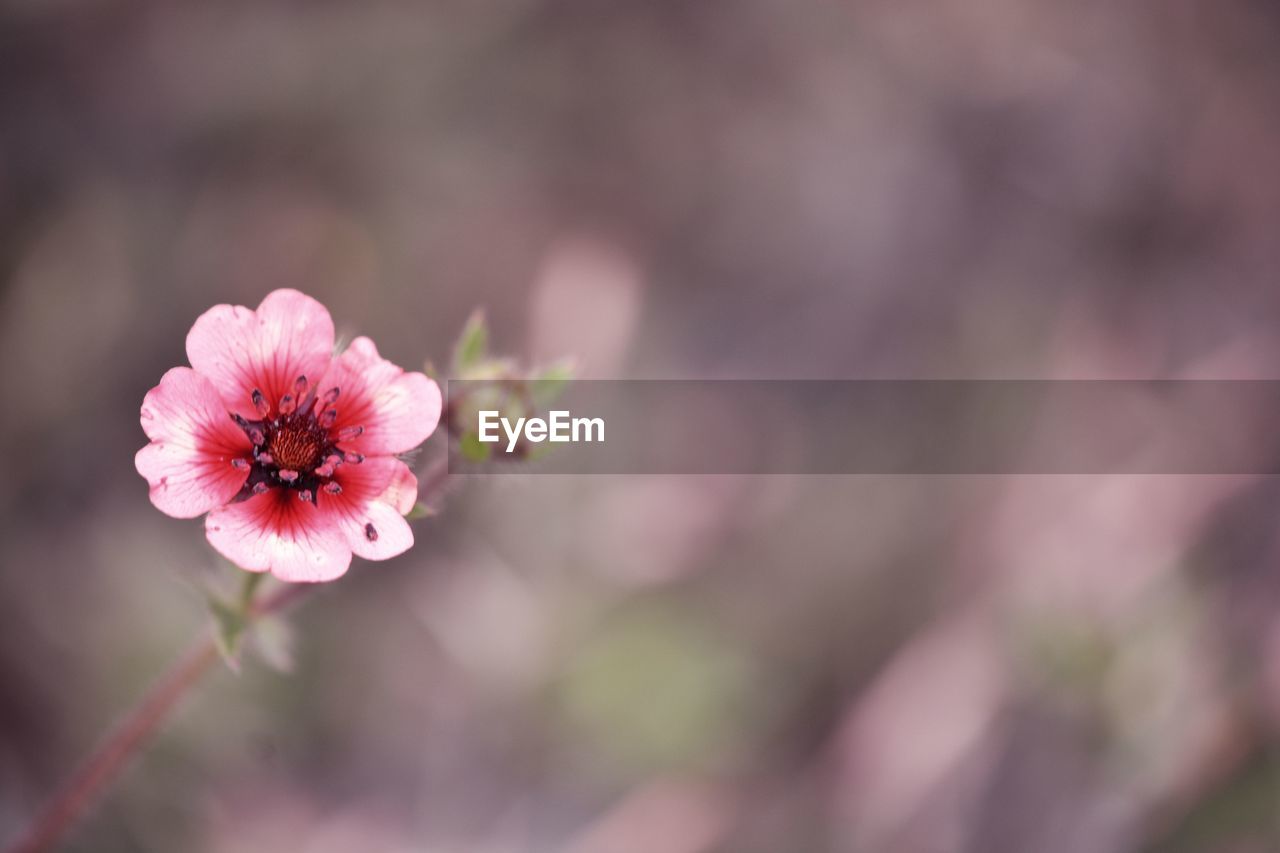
(228, 631)
(248, 588)
(548, 383)
(472, 448)
(473, 343)
(420, 510)
(231, 619)
(490, 369)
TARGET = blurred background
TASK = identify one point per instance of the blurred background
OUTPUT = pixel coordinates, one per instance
(950, 189)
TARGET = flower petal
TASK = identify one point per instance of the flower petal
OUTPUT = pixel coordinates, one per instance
(397, 409)
(290, 335)
(193, 442)
(391, 535)
(367, 510)
(276, 531)
(402, 493)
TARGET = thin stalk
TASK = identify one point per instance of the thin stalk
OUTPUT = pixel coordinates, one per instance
(112, 755)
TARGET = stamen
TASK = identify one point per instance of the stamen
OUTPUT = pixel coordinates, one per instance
(294, 444)
(331, 462)
(371, 533)
(254, 433)
(260, 403)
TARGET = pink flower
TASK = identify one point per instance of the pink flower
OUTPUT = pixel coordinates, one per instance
(289, 449)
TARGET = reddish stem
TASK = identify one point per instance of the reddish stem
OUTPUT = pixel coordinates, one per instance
(113, 754)
(123, 742)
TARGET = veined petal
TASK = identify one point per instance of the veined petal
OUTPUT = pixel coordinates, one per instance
(188, 463)
(277, 532)
(289, 335)
(397, 409)
(367, 511)
(384, 534)
(402, 492)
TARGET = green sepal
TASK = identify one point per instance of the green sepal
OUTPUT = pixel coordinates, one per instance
(419, 510)
(548, 383)
(231, 619)
(472, 448)
(473, 343)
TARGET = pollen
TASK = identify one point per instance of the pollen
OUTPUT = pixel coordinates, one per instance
(296, 445)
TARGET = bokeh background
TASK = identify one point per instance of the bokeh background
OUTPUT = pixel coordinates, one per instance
(960, 188)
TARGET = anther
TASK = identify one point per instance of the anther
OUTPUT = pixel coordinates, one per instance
(266, 458)
(331, 396)
(287, 475)
(260, 403)
(353, 458)
(371, 533)
(255, 434)
(299, 386)
(239, 464)
(328, 417)
(332, 488)
(287, 404)
(260, 487)
(305, 495)
(325, 470)
(350, 432)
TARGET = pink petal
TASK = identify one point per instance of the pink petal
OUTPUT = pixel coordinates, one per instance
(290, 335)
(367, 510)
(392, 534)
(397, 409)
(276, 531)
(188, 462)
(402, 493)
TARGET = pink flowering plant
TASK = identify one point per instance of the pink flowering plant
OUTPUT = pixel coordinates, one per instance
(290, 450)
(297, 456)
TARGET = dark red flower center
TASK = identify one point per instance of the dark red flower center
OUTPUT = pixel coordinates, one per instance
(294, 443)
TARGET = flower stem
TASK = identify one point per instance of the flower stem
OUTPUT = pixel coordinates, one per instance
(133, 732)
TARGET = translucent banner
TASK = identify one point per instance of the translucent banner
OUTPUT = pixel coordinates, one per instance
(868, 427)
